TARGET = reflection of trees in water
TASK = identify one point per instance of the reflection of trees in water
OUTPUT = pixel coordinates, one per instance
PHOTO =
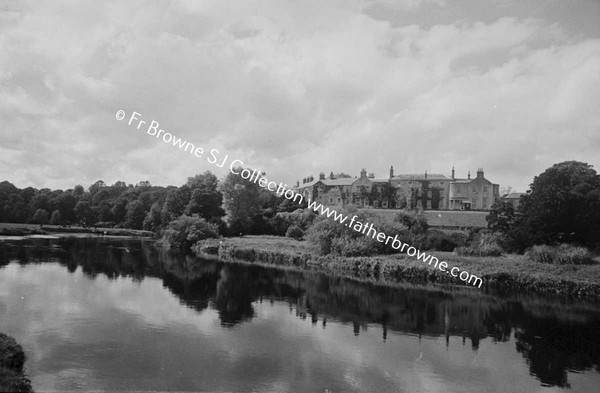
(551, 342)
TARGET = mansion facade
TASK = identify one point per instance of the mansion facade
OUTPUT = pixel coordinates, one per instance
(413, 191)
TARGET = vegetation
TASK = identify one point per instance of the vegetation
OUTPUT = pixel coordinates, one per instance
(12, 359)
(295, 232)
(563, 254)
(182, 233)
(563, 206)
(488, 245)
(510, 272)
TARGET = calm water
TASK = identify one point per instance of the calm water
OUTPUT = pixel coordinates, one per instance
(107, 314)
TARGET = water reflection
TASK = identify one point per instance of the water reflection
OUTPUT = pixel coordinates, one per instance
(555, 337)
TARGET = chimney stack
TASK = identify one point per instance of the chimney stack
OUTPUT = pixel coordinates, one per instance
(331, 176)
(452, 172)
(322, 176)
(391, 171)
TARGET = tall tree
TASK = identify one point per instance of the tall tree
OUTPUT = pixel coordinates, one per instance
(205, 199)
(563, 205)
(241, 202)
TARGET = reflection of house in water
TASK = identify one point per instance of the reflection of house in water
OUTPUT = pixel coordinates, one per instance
(416, 191)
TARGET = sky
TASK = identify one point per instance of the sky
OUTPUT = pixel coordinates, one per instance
(299, 87)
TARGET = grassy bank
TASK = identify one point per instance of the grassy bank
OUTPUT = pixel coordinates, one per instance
(7, 229)
(12, 359)
(512, 272)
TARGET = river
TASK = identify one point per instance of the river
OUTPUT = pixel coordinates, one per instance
(109, 314)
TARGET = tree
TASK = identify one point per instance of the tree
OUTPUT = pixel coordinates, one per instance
(240, 200)
(56, 218)
(185, 231)
(40, 217)
(134, 217)
(501, 217)
(85, 213)
(563, 205)
(153, 221)
(175, 203)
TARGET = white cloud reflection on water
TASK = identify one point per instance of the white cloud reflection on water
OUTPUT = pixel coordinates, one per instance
(117, 334)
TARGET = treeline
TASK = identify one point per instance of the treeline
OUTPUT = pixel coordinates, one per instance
(232, 205)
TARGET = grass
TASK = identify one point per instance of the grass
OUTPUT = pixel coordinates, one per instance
(508, 272)
(10, 229)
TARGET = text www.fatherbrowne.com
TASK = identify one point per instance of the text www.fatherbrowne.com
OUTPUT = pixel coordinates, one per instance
(255, 176)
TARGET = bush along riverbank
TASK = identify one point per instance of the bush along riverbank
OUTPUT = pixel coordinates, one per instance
(511, 272)
(12, 360)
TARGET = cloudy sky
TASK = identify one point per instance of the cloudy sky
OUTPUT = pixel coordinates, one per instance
(297, 87)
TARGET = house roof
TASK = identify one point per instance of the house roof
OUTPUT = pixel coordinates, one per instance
(420, 176)
(309, 184)
(344, 181)
(514, 195)
(379, 180)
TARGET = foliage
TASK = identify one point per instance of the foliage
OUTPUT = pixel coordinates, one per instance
(240, 201)
(563, 254)
(488, 245)
(56, 218)
(302, 218)
(501, 216)
(12, 359)
(439, 240)
(182, 233)
(40, 217)
(295, 232)
(563, 205)
(415, 222)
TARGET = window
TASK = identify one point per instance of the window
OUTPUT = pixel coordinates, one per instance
(474, 203)
(484, 188)
(384, 204)
(474, 189)
(339, 201)
(428, 204)
(330, 200)
(484, 203)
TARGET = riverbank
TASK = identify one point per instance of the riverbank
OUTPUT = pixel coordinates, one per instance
(12, 359)
(8, 229)
(510, 272)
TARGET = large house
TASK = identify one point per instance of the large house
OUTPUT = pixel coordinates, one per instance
(416, 191)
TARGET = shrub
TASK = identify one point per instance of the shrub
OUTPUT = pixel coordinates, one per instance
(563, 254)
(185, 231)
(415, 222)
(282, 221)
(489, 245)
(294, 232)
(347, 246)
(320, 240)
(440, 241)
(12, 359)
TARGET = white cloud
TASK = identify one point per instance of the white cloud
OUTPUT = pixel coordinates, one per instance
(293, 88)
